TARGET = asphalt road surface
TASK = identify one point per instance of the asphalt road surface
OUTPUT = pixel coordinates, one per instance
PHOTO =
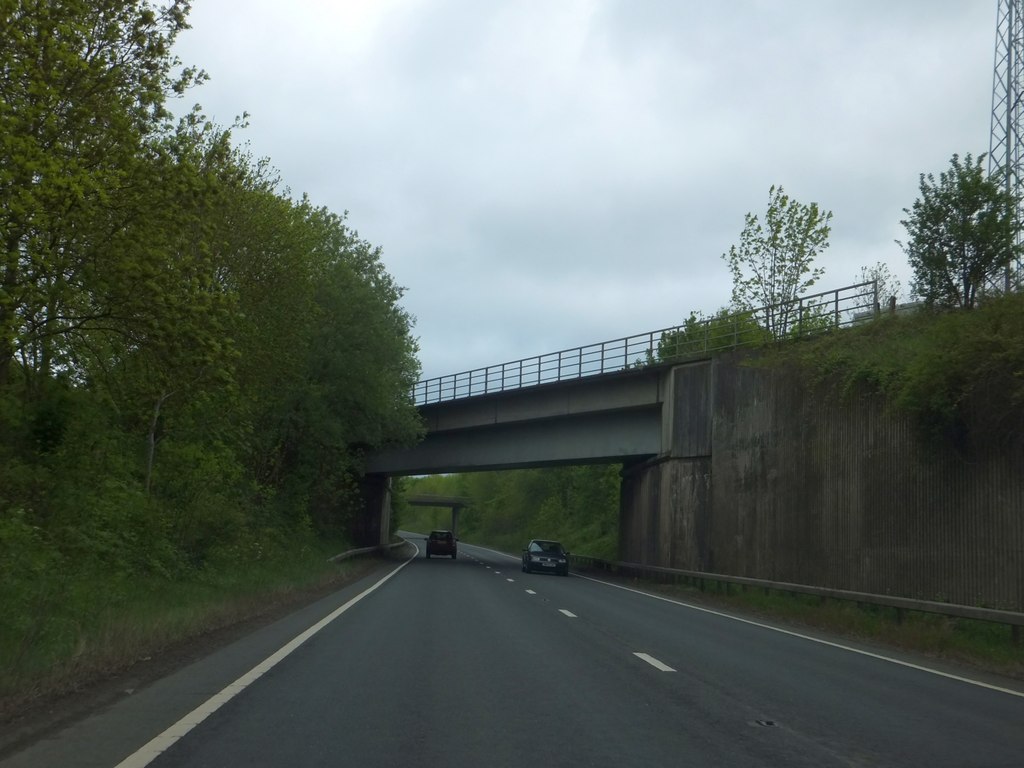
(470, 662)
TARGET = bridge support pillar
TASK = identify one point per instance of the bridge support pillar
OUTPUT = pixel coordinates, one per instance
(374, 529)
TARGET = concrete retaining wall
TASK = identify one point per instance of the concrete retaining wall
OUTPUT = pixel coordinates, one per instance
(792, 486)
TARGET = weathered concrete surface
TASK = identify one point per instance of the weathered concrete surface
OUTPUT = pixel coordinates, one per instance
(611, 418)
(798, 487)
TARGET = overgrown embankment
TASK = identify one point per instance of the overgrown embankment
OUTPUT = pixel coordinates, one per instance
(89, 626)
(959, 375)
(192, 361)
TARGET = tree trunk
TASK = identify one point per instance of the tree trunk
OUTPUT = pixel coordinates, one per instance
(151, 438)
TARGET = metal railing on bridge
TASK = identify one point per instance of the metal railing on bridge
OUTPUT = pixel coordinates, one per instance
(698, 337)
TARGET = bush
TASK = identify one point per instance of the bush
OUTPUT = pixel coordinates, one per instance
(958, 375)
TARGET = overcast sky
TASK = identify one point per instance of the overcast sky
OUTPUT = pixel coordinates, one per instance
(545, 174)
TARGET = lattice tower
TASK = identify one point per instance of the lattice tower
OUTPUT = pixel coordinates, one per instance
(1005, 150)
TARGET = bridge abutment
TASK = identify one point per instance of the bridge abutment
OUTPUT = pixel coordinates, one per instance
(373, 527)
(784, 481)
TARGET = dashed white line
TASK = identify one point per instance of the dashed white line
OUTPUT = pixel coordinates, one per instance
(820, 641)
(530, 592)
(570, 614)
(654, 662)
(510, 581)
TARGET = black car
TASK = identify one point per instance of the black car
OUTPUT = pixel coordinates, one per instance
(543, 555)
(441, 543)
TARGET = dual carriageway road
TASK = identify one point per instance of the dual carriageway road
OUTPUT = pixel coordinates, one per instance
(470, 662)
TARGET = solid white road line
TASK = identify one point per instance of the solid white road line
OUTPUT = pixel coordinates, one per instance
(150, 751)
(840, 646)
(654, 662)
(570, 614)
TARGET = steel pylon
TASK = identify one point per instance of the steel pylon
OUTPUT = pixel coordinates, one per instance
(1005, 150)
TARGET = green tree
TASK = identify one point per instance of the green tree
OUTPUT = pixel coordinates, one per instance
(773, 263)
(83, 86)
(357, 374)
(167, 334)
(962, 233)
(192, 364)
(887, 286)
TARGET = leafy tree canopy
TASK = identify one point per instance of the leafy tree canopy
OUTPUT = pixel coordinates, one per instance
(962, 233)
(887, 286)
(84, 84)
(187, 353)
(773, 263)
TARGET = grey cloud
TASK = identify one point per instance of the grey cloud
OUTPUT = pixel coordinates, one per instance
(544, 175)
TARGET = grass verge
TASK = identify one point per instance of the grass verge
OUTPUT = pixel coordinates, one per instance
(101, 628)
(980, 644)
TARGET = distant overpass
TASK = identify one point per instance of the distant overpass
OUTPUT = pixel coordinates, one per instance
(455, 503)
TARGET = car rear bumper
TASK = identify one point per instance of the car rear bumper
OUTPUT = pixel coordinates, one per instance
(543, 567)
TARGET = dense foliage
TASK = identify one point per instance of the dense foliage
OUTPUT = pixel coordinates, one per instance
(578, 506)
(958, 375)
(702, 335)
(962, 234)
(192, 362)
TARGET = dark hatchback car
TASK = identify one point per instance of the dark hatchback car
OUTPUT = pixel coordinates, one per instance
(442, 543)
(543, 555)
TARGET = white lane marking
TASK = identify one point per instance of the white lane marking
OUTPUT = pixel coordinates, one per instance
(654, 662)
(497, 573)
(530, 592)
(510, 581)
(503, 554)
(570, 614)
(152, 749)
(840, 646)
